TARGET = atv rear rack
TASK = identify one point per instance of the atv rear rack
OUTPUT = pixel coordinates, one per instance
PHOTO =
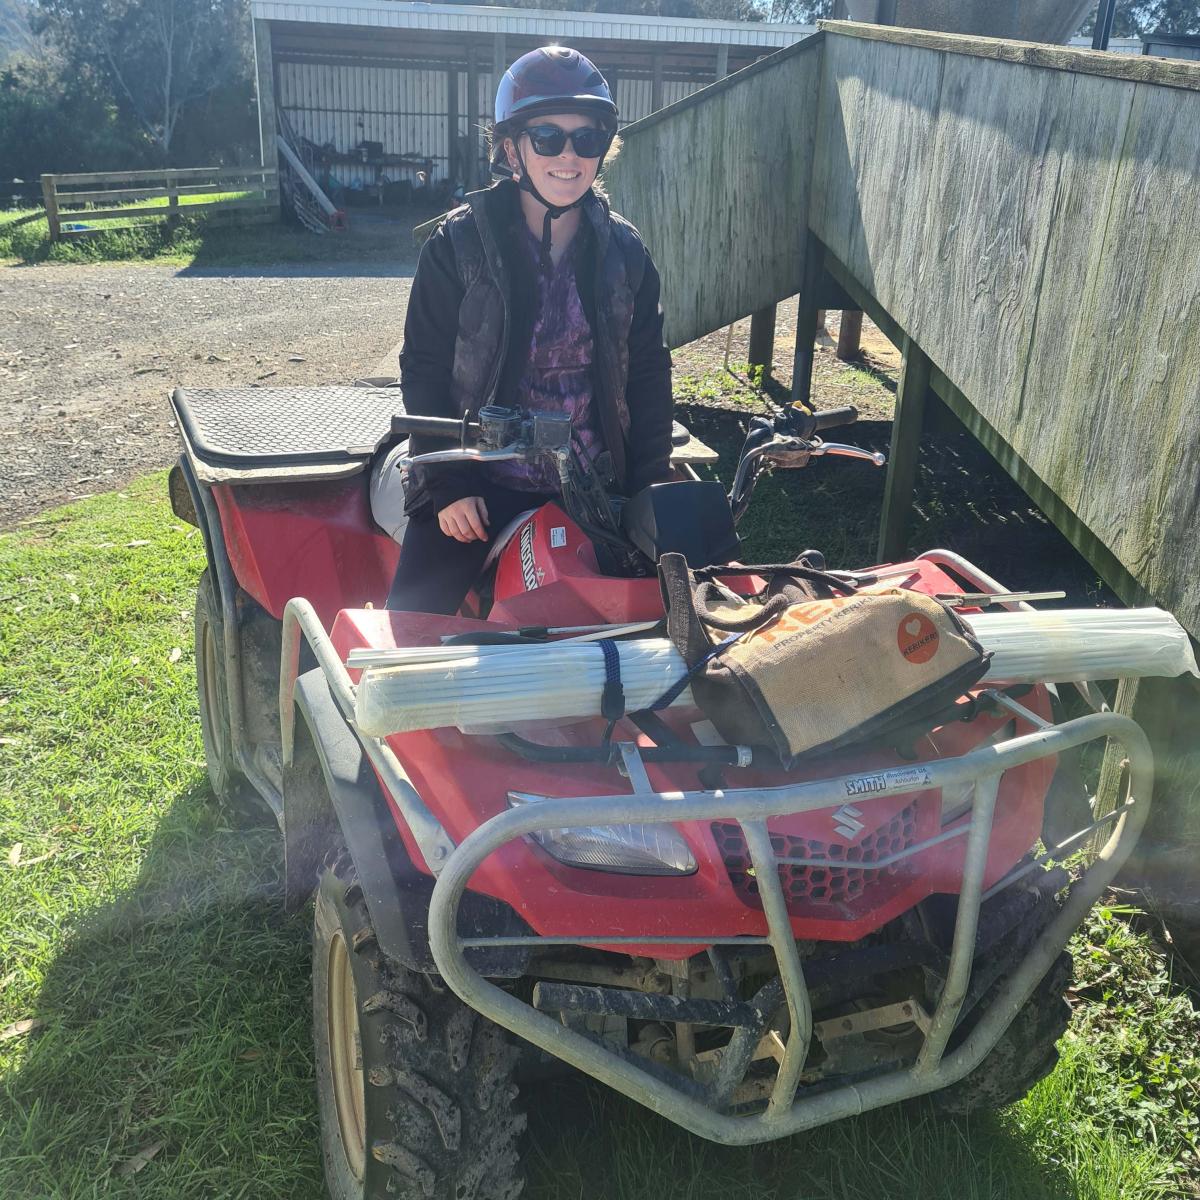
(697, 1106)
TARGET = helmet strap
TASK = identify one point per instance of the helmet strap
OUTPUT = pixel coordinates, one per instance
(553, 211)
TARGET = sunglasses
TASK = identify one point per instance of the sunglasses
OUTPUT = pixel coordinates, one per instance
(548, 141)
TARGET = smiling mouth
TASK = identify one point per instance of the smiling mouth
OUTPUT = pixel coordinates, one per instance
(565, 176)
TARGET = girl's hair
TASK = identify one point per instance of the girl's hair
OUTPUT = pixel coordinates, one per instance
(496, 133)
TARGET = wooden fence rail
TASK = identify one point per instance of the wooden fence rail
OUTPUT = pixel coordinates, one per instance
(117, 194)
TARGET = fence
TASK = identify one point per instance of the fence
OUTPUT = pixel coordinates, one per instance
(121, 196)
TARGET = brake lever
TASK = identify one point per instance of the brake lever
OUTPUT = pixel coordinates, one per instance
(841, 450)
(459, 455)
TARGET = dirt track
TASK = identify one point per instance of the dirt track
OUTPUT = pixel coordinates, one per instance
(88, 354)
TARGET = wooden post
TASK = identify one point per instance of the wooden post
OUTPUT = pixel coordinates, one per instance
(1164, 862)
(264, 74)
(722, 61)
(172, 197)
(808, 321)
(849, 334)
(50, 199)
(452, 126)
(902, 462)
(656, 88)
(472, 163)
(762, 339)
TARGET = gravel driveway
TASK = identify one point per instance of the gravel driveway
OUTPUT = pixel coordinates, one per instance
(89, 353)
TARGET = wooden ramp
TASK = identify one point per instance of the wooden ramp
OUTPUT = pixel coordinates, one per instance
(1023, 221)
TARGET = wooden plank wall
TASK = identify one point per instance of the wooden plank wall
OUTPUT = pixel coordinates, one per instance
(1034, 229)
(718, 184)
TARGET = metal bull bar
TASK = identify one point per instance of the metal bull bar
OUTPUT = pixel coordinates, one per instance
(692, 1107)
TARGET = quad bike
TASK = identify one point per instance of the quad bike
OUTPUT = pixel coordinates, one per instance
(747, 950)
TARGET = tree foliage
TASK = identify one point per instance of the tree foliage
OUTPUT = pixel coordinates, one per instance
(160, 58)
(1133, 17)
(56, 118)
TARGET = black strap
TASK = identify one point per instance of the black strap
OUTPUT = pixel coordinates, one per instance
(758, 616)
(797, 570)
(675, 690)
(612, 699)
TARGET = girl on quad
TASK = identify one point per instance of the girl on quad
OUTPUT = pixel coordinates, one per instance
(533, 295)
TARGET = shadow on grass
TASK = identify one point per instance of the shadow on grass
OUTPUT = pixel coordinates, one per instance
(589, 1143)
(176, 1028)
(863, 362)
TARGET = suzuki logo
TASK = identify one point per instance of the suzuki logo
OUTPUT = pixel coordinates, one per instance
(846, 822)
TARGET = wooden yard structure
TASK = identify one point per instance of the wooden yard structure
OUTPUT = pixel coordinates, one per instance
(81, 204)
(1022, 220)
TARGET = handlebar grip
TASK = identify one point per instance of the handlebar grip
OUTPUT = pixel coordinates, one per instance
(409, 423)
(833, 417)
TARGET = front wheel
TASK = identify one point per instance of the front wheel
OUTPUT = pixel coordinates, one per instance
(415, 1090)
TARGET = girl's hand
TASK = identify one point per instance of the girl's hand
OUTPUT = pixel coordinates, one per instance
(465, 520)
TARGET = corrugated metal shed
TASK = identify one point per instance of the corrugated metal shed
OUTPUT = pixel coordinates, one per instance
(375, 91)
(528, 22)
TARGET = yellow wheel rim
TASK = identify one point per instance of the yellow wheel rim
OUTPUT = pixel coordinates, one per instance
(345, 1056)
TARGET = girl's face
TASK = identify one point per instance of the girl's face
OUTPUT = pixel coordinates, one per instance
(563, 178)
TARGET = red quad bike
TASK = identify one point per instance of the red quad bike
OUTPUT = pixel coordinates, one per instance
(746, 950)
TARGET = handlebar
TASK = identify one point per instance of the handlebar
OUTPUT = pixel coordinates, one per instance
(404, 424)
(832, 417)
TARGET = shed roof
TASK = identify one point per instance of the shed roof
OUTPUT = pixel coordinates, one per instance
(529, 22)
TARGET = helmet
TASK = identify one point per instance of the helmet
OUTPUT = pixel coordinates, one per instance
(553, 79)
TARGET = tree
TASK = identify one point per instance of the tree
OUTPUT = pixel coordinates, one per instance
(160, 57)
(803, 12)
(54, 118)
(1150, 16)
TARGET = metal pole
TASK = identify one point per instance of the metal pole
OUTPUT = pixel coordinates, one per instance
(1105, 12)
(452, 164)
(787, 957)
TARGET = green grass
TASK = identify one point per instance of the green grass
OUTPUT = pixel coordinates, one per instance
(173, 994)
(197, 241)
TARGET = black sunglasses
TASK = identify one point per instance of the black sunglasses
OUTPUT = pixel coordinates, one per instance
(548, 140)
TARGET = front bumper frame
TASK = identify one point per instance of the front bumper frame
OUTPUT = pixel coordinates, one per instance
(789, 1110)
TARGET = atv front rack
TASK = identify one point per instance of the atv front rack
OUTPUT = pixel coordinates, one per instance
(702, 1108)
(790, 1109)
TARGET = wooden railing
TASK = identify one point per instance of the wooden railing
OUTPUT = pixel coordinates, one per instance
(117, 194)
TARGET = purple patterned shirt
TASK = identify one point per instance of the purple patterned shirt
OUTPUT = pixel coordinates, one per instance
(558, 376)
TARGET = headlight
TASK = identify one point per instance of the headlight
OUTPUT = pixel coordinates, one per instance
(624, 849)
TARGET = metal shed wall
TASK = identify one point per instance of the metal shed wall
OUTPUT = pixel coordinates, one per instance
(344, 73)
(405, 109)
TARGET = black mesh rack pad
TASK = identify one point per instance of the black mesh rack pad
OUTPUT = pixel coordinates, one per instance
(245, 427)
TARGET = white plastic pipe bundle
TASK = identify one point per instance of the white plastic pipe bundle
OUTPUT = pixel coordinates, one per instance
(1078, 644)
(479, 687)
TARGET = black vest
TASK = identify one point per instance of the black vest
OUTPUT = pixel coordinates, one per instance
(491, 313)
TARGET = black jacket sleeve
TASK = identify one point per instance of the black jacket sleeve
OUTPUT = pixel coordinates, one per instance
(426, 363)
(648, 389)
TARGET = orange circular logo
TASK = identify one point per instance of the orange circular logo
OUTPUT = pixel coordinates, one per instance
(917, 638)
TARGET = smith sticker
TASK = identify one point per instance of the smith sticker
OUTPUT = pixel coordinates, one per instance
(909, 778)
(529, 569)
